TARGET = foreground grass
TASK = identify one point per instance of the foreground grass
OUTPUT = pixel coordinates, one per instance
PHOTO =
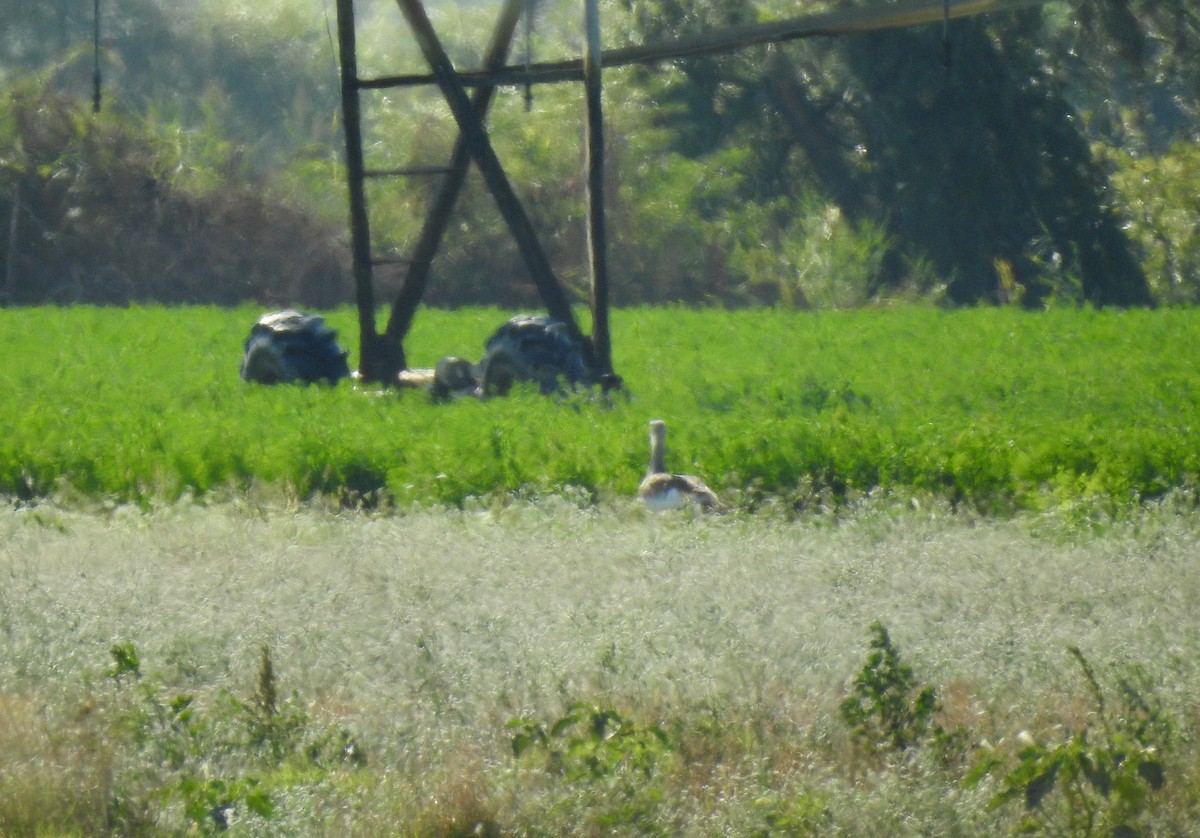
(997, 409)
(133, 698)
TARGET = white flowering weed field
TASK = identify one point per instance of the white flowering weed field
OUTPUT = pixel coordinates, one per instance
(553, 668)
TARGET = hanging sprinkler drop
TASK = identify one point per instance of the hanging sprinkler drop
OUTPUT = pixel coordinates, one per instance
(529, 10)
(946, 49)
(96, 56)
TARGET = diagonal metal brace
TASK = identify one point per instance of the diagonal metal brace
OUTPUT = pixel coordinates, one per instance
(438, 217)
(481, 151)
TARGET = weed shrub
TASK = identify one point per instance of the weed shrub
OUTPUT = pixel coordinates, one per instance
(619, 761)
(886, 708)
(993, 410)
(209, 764)
(1100, 779)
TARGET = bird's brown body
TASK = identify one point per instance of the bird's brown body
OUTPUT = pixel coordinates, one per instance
(660, 489)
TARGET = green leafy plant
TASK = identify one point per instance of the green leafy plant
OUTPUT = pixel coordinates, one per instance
(887, 708)
(275, 727)
(1099, 780)
(215, 763)
(809, 252)
(211, 804)
(620, 761)
(595, 742)
(802, 814)
(125, 661)
(95, 204)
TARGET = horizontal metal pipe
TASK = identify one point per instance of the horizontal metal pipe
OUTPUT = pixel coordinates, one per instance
(844, 22)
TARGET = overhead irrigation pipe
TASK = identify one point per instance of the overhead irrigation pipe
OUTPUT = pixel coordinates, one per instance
(844, 22)
(946, 35)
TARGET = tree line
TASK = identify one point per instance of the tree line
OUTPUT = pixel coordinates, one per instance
(1023, 157)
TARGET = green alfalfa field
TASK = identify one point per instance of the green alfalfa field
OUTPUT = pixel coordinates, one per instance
(997, 409)
(955, 593)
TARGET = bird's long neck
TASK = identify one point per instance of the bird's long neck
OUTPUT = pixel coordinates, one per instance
(658, 444)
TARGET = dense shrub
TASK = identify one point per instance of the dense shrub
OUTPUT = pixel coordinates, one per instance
(108, 209)
(1161, 193)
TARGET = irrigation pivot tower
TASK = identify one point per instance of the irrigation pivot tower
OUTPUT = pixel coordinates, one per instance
(381, 355)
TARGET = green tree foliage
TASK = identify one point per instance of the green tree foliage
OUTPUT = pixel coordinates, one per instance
(268, 75)
(1161, 195)
(982, 169)
(111, 209)
(980, 166)
(1133, 65)
(824, 172)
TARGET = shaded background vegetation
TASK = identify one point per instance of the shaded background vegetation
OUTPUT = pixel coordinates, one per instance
(1054, 156)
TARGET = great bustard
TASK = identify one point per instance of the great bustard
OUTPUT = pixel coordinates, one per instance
(662, 490)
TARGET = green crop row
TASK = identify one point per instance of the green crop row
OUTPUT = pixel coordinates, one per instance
(997, 408)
